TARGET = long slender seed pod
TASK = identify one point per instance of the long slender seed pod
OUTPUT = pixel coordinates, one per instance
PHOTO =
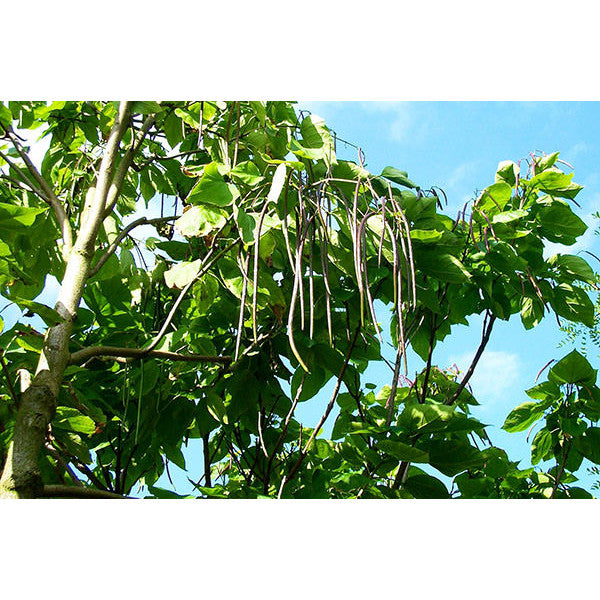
(311, 290)
(297, 284)
(390, 403)
(300, 216)
(396, 264)
(244, 269)
(410, 257)
(284, 227)
(401, 334)
(380, 249)
(363, 267)
(261, 218)
(139, 407)
(407, 255)
(356, 246)
(325, 269)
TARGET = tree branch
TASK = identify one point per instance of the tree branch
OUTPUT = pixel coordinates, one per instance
(115, 244)
(329, 408)
(70, 491)
(86, 353)
(63, 464)
(47, 194)
(485, 336)
(95, 205)
(119, 178)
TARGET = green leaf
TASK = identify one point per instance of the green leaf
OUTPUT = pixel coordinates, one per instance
(317, 142)
(426, 487)
(572, 267)
(545, 391)
(315, 134)
(174, 129)
(5, 116)
(545, 162)
(445, 267)
(246, 172)
(246, 225)
(521, 417)
(415, 417)
(556, 183)
(428, 236)
(507, 172)
(452, 456)
(573, 368)
(532, 312)
(509, 216)
(494, 198)
(163, 494)
(200, 221)
(573, 303)
(181, 274)
(72, 420)
(589, 444)
(174, 454)
(559, 223)
(205, 292)
(399, 177)
(146, 107)
(541, 445)
(13, 216)
(47, 314)
(212, 189)
(402, 451)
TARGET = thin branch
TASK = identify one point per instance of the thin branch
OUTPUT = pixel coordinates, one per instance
(115, 244)
(207, 460)
(487, 330)
(47, 194)
(86, 353)
(206, 264)
(566, 448)
(329, 408)
(63, 464)
(126, 161)
(70, 491)
(94, 211)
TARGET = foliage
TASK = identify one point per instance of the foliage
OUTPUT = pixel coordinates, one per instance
(258, 289)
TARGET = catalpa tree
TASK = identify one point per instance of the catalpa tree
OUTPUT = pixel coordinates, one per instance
(258, 287)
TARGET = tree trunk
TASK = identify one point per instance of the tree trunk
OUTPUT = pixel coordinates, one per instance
(21, 475)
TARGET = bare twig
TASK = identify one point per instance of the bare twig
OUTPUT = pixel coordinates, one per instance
(115, 244)
(86, 353)
(45, 192)
(488, 324)
(119, 178)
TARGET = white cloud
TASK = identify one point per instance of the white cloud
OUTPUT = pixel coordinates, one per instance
(400, 117)
(460, 174)
(575, 151)
(497, 373)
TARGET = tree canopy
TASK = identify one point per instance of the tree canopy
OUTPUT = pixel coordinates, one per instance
(261, 287)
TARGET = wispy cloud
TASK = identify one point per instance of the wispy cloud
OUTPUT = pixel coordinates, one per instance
(497, 373)
(400, 115)
(460, 174)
